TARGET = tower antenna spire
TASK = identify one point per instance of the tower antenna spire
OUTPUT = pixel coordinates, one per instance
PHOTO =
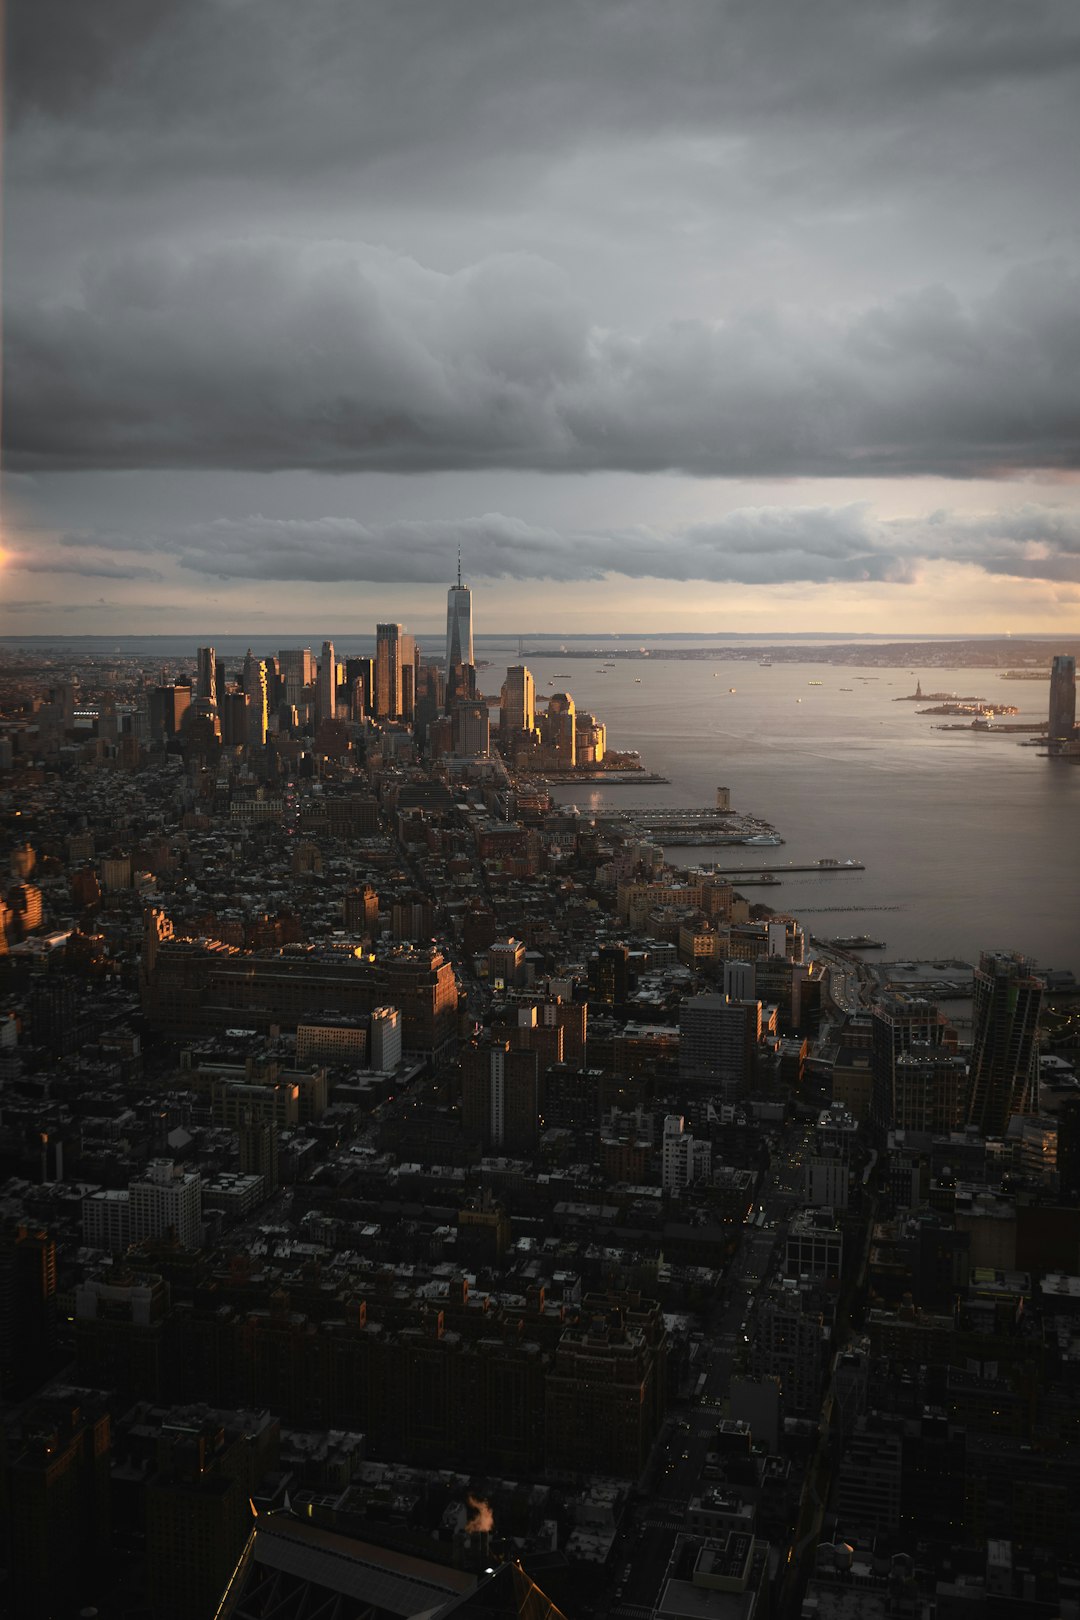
(459, 565)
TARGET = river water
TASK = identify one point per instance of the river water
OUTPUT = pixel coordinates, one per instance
(974, 838)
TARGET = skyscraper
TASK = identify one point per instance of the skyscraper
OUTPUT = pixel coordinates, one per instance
(1062, 697)
(360, 685)
(253, 680)
(459, 639)
(326, 685)
(410, 658)
(560, 730)
(206, 675)
(717, 1042)
(518, 710)
(389, 650)
(1004, 1049)
(297, 669)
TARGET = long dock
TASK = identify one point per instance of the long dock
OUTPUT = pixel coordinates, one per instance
(751, 871)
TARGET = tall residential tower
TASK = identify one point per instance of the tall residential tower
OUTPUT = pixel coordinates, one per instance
(1004, 1049)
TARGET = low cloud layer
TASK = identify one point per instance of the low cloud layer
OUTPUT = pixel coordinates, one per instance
(285, 356)
(754, 546)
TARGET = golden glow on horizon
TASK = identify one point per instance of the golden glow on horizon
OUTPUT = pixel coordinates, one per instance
(943, 599)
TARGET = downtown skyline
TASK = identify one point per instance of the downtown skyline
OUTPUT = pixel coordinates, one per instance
(711, 321)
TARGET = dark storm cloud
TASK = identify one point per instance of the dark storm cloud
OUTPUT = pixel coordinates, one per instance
(153, 323)
(83, 567)
(752, 546)
(275, 355)
(193, 86)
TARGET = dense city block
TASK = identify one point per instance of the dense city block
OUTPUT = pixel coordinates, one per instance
(406, 1176)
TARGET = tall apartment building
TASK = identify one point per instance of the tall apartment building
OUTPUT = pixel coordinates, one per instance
(790, 1342)
(166, 1200)
(1004, 1047)
(930, 1087)
(385, 1047)
(718, 1038)
(685, 1159)
(500, 1097)
(899, 1022)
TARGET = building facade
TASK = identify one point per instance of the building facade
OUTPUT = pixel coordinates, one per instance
(1004, 1048)
(1062, 698)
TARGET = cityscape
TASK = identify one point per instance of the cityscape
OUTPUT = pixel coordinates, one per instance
(411, 1178)
(539, 787)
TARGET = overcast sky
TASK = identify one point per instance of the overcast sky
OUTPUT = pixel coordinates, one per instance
(675, 314)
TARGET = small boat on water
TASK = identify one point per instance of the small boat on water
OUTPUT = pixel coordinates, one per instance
(731, 689)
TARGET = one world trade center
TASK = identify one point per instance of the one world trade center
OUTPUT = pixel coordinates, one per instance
(459, 642)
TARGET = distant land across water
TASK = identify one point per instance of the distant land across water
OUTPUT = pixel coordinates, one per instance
(989, 652)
